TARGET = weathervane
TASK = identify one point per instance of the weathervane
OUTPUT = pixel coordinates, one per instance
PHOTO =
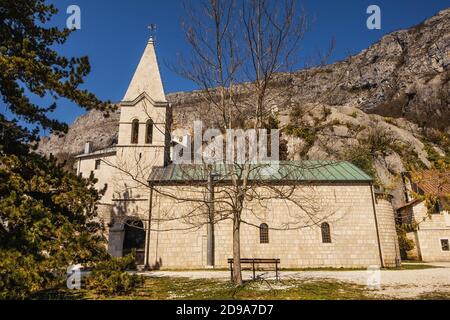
(152, 28)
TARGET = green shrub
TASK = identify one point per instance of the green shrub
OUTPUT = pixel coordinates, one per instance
(434, 157)
(19, 276)
(362, 158)
(378, 140)
(409, 155)
(405, 244)
(306, 133)
(110, 277)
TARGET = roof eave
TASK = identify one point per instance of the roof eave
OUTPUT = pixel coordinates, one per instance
(273, 182)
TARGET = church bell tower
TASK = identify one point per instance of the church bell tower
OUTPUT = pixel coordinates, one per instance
(144, 132)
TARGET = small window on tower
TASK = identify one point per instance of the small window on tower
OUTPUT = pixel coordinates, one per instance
(97, 164)
(149, 132)
(135, 131)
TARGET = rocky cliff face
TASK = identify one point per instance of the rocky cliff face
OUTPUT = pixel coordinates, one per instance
(93, 126)
(397, 89)
(406, 74)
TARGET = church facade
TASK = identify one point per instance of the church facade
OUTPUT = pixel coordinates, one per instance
(352, 225)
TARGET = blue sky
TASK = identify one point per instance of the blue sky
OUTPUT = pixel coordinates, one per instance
(114, 33)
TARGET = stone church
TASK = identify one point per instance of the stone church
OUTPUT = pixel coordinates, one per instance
(352, 225)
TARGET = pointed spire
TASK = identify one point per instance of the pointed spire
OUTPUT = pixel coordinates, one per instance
(146, 77)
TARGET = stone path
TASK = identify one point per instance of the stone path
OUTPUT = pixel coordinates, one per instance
(395, 283)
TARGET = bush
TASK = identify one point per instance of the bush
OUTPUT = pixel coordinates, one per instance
(360, 157)
(405, 244)
(435, 158)
(109, 277)
(19, 276)
(378, 140)
(308, 134)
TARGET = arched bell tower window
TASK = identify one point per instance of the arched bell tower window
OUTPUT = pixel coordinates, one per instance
(326, 234)
(135, 131)
(263, 233)
(149, 131)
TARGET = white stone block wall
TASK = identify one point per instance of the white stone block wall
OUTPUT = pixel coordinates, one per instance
(347, 208)
(431, 229)
(430, 244)
(388, 235)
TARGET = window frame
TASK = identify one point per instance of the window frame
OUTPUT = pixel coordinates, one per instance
(326, 237)
(441, 245)
(149, 124)
(97, 164)
(134, 131)
(264, 233)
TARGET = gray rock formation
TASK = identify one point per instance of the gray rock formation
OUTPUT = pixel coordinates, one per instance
(93, 126)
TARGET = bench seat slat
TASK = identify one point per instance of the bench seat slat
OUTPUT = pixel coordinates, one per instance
(256, 260)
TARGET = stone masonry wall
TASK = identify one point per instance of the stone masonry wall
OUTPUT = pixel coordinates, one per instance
(181, 243)
(430, 244)
(431, 229)
(388, 234)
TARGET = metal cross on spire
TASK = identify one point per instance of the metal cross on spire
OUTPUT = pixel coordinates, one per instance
(152, 28)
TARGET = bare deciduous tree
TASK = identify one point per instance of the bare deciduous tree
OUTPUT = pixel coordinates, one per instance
(249, 43)
(240, 51)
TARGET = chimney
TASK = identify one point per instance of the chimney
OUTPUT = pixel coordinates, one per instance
(88, 147)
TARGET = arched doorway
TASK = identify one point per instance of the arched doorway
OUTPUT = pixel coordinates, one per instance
(134, 239)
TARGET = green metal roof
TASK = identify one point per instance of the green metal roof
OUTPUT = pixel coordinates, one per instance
(300, 171)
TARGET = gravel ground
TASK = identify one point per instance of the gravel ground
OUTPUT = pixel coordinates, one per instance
(393, 283)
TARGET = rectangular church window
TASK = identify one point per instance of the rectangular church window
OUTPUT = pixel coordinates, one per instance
(445, 245)
(263, 233)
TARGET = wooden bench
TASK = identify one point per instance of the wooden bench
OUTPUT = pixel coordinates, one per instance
(254, 262)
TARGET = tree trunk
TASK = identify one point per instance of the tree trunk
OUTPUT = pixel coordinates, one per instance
(237, 272)
(210, 227)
